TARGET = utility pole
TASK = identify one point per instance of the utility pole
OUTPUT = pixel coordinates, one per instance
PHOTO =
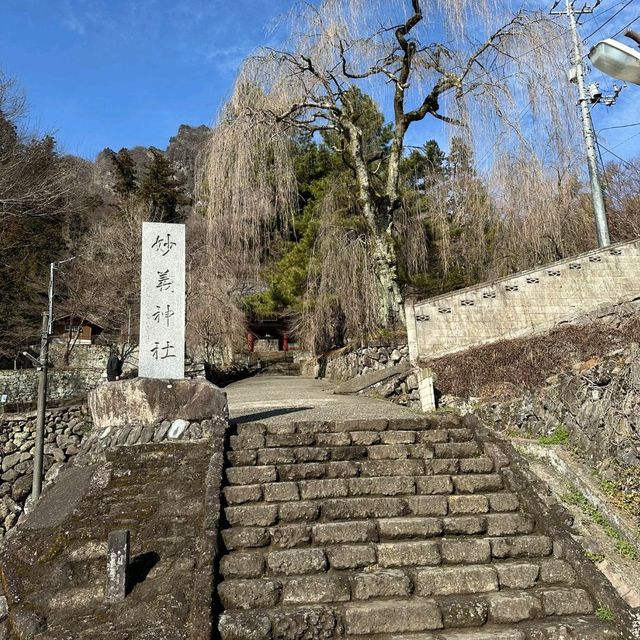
(584, 100)
(38, 457)
(47, 330)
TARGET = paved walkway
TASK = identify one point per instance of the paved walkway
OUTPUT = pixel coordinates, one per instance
(291, 399)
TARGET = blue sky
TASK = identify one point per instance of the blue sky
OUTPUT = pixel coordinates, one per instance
(124, 72)
(120, 73)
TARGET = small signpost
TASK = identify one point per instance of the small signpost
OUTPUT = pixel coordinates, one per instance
(117, 565)
(162, 301)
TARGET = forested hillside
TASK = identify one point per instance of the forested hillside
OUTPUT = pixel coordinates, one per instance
(54, 206)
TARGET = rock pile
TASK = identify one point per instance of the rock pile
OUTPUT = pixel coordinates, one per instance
(65, 430)
(401, 389)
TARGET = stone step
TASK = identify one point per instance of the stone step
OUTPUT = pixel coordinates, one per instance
(302, 454)
(289, 490)
(420, 614)
(264, 439)
(400, 618)
(356, 507)
(398, 554)
(575, 628)
(286, 491)
(381, 529)
(286, 462)
(264, 474)
(438, 421)
(248, 569)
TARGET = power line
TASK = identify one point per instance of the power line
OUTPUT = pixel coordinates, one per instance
(620, 126)
(567, 30)
(561, 34)
(608, 20)
(635, 135)
(625, 27)
(615, 155)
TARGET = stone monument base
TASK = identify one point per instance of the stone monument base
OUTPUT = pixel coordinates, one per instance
(144, 401)
(144, 410)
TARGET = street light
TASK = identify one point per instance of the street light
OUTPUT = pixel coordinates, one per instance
(617, 60)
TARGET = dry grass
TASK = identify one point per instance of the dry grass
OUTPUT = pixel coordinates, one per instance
(508, 367)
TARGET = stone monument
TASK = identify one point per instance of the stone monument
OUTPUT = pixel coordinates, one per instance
(160, 403)
(162, 301)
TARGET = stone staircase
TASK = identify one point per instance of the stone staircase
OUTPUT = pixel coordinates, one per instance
(387, 530)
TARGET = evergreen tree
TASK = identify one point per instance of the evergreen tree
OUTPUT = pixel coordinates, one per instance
(125, 181)
(423, 167)
(162, 190)
(460, 160)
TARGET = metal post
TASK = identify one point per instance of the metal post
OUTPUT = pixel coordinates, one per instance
(602, 228)
(47, 330)
(36, 487)
(52, 286)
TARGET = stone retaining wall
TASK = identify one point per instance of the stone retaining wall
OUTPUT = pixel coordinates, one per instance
(351, 362)
(65, 431)
(70, 436)
(596, 403)
(87, 368)
(21, 385)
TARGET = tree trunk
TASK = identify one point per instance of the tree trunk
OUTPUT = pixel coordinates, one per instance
(390, 306)
(390, 298)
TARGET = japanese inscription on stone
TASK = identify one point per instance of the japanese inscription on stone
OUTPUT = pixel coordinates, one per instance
(162, 301)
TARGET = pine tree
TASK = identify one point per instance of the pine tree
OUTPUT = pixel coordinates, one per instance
(162, 190)
(125, 181)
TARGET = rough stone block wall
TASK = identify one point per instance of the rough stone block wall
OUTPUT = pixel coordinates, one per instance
(21, 385)
(92, 356)
(596, 403)
(348, 363)
(68, 434)
(54, 565)
(87, 367)
(160, 480)
(526, 303)
(65, 430)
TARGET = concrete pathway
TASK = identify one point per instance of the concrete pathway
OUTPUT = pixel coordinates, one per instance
(291, 399)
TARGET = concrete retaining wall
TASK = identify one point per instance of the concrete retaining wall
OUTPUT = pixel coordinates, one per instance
(526, 303)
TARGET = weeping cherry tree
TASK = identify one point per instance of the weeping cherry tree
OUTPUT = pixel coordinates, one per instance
(422, 60)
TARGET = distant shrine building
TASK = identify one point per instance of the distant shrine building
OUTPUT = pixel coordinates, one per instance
(270, 336)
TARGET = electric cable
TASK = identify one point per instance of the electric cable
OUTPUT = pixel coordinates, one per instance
(635, 135)
(625, 27)
(615, 155)
(620, 126)
(608, 20)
